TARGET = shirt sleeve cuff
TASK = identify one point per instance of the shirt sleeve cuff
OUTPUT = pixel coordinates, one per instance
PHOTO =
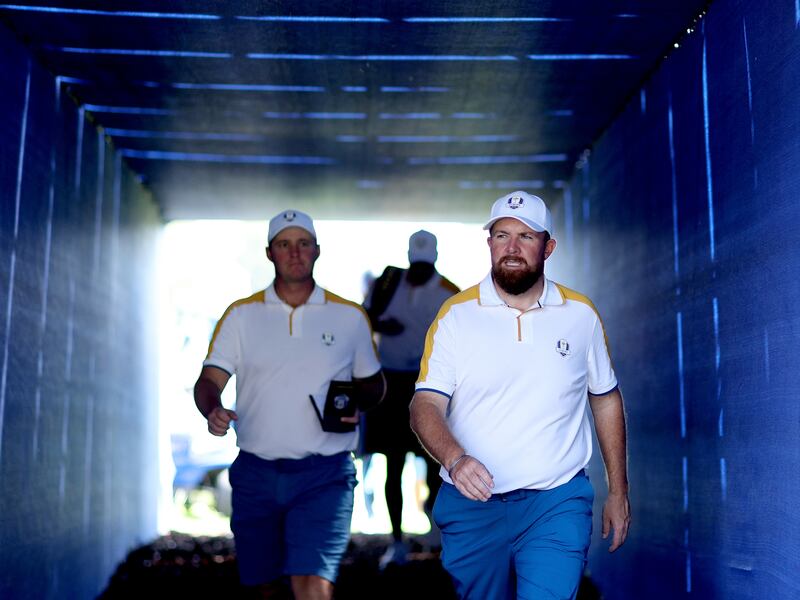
(219, 364)
(608, 389)
(437, 387)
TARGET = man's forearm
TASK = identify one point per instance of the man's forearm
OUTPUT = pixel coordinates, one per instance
(371, 391)
(207, 396)
(609, 420)
(429, 424)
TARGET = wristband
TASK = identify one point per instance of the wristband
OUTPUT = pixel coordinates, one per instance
(455, 462)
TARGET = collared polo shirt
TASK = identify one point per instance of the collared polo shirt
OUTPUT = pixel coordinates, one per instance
(282, 355)
(518, 381)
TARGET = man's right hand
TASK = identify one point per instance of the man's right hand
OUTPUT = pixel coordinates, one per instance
(219, 420)
(472, 479)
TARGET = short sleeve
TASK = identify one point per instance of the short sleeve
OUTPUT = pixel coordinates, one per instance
(365, 360)
(224, 348)
(437, 368)
(601, 376)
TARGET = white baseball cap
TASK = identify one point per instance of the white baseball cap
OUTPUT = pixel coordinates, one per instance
(290, 218)
(524, 207)
(422, 247)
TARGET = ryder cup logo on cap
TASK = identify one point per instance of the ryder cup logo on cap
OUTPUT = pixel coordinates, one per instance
(515, 202)
(526, 208)
(290, 218)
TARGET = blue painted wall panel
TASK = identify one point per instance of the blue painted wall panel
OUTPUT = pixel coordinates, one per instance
(693, 238)
(78, 413)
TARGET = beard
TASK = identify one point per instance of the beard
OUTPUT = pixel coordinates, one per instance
(518, 281)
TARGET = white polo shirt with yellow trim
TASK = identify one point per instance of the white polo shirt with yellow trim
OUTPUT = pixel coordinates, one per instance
(281, 356)
(518, 381)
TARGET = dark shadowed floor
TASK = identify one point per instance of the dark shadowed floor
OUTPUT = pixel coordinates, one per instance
(181, 566)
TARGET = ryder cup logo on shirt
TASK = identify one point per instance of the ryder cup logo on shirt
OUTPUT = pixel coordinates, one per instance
(515, 202)
(328, 339)
(562, 347)
(341, 401)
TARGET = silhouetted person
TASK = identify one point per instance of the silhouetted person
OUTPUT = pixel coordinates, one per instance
(401, 305)
(501, 403)
(292, 348)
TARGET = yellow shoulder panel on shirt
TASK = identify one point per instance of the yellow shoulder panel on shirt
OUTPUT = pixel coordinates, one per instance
(331, 297)
(569, 294)
(469, 294)
(257, 297)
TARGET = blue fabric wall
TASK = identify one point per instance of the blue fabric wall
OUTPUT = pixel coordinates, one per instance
(78, 395)
(683, 225)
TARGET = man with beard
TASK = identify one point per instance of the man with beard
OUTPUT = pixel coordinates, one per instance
(500, 403)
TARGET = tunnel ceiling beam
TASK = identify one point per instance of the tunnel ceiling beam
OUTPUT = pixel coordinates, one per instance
(352, 109)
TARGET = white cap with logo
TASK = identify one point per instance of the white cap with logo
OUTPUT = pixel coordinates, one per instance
(422, 247)
(290, 218)
(526, 208)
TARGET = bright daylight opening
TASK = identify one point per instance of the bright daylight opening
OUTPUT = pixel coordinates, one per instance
(205, 266)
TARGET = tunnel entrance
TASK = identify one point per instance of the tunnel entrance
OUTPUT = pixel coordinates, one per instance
(204, 267)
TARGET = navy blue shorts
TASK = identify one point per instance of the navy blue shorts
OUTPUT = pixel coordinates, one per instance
(523, 544)
(291, 517)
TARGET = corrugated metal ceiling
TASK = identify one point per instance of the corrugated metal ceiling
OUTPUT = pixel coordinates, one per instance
(393, 109)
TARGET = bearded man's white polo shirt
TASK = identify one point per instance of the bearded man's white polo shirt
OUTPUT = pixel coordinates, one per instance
(518, 381)
(282, 355)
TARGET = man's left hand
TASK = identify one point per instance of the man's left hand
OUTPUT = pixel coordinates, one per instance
(616, 516)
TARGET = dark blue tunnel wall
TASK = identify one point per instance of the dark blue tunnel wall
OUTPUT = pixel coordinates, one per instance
(682, 226)
(78, 394)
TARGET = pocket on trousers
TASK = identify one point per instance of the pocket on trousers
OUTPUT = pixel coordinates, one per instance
(233, 471)
(443, 507)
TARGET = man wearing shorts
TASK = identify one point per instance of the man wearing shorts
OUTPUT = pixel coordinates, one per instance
(292, 481)
(501, 402)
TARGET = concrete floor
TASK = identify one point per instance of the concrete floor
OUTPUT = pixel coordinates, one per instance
(183, 566)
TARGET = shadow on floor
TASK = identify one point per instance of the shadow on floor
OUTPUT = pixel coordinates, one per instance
(182, 566)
